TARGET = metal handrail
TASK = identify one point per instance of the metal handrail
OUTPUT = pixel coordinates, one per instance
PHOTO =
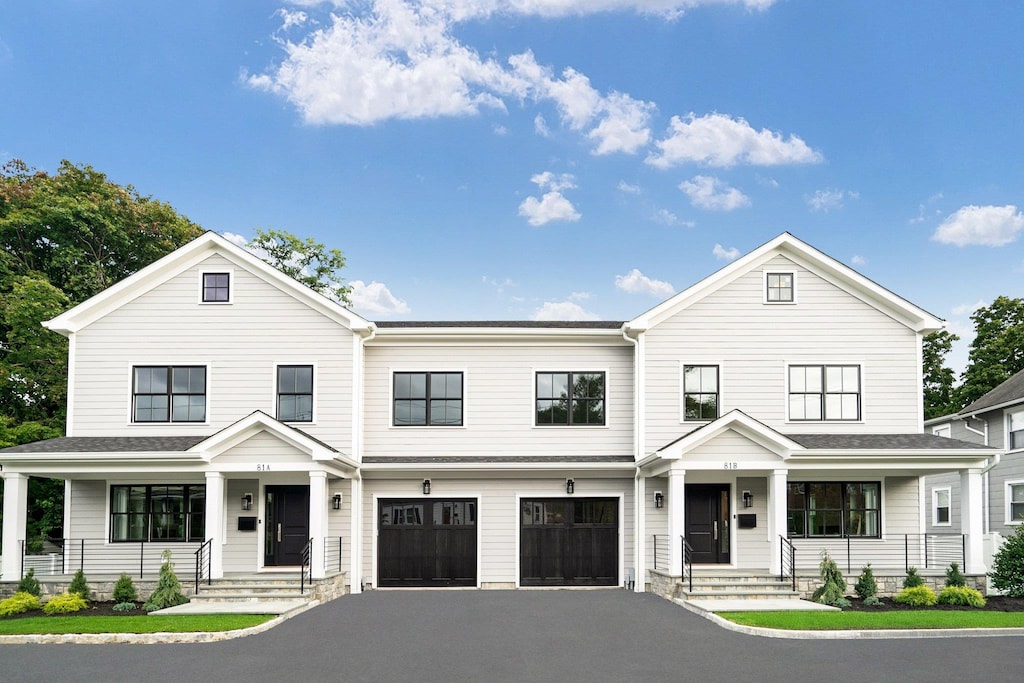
(687, 562)
(204, 551)
(787, 552)
(307, 555)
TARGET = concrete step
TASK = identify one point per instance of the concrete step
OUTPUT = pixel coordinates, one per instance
(734, 594)
(249, 588)
(281, 596)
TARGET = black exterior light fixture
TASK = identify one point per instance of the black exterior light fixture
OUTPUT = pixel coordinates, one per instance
(659, 499)
(748, 499)
(426, 487)
(247, 501)
(336, 501)
(570, 486)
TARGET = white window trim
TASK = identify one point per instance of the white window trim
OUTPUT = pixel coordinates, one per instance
(1006, 426)
(420, 368)
(682, 389)
(231, 286)
(1008, 518)
(863, 391)
(574, 370)
(764, 286)
(171, 364)
(935, 505)
(273, 389)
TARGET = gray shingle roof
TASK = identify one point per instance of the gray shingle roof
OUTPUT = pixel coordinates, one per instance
(881, 442)
(1009, 391)
(483, 324)
(107, 444)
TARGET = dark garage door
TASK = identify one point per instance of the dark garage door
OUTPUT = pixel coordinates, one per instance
(569, 542)
(427, 542)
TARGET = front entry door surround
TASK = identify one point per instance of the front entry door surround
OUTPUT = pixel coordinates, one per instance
(707, 522)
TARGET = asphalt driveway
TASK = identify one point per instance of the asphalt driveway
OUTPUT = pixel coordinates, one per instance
(426, 636)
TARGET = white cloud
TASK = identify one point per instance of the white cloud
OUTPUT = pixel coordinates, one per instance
(627, 188)
(720, 140)
(579, 296)
(723, 254)
(666, 217)
(540, 126)
(824, 201)
(375, 299)
(550, 207)
(967, 309)
(500, 130)
(991, 226)
(235, 239)
(636, 282)
(858, 260)
(712, 194)
(556, 183)
(563, 310)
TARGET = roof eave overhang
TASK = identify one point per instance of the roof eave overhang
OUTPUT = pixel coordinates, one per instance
(405, 335)
(486, 466)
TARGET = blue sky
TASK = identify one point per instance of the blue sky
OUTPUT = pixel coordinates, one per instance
(576, 159)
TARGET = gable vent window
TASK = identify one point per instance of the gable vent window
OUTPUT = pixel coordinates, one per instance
(780, 288)
(216, 288)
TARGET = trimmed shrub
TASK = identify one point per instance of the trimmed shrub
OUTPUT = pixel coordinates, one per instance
(168, 588)
(954, 577)
(913, 579)
(126, 606)
(79, 586)
(916, 596)
(866, 586)
(124, 590)
(65, 603)
(1008, 565)
(833, 585)
(30, 584)
(961, 595)
(18, 603)
(872, 601)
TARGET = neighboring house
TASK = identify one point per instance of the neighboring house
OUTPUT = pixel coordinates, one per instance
(212, 398)
(996, 420)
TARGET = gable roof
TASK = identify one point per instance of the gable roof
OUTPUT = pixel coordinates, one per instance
(259, 422)
(813, 260)
(186, 257)
(736, 421)
(1006, 394)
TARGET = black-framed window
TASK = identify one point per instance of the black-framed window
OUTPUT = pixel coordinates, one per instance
(427, 398)
(157, 512)
(163, 393)
(1015, 430)
(216, 287)
(570, 398)
(836, 509)
(295, 393)
(700, 392)
(824, 392)
(780, 288)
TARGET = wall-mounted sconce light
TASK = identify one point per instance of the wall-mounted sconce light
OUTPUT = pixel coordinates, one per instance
(748, 499)
(336, 501)
(659, 499)
(247, 501)
(570, 486)
(426, 487)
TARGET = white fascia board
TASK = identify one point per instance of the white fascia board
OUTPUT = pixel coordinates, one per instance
(740, 423)
(368, 469)
(388, 336)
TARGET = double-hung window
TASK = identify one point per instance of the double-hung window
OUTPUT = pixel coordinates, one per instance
(822, 509)
(824, 392)
(158, 512)
(1015, 430)
(427, 399)
(700, 392)
(295, 393)
(570, 398)
(940, 507)
(168, 394)
(1015, 502)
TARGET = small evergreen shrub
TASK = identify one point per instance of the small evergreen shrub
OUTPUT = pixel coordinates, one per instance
(954, 577)
(65, 603)
(1008, 565)
(18, 603)
(916, 596)
(30, 584)
(866, 586)
(124, 590)
(961, 595)
(913, 579)
(79, 586)
(872, 601)
(833, 585)
(127, 606)
(168, 588)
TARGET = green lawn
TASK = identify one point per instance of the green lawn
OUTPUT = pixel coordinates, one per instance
(132, 624)
(819, 621)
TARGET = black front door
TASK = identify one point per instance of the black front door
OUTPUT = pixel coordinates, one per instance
(707, 522)
(426, 542)
(287, 527)
(569, 542)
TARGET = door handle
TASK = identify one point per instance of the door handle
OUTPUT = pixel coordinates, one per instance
(715, 523)
(279, 532)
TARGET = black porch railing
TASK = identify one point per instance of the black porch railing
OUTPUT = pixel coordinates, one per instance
(305, 575)
(687, 563)
(333, 553)
(898, 552)
(139, 559)
(787, 560)
(204, 564)
(661, 552)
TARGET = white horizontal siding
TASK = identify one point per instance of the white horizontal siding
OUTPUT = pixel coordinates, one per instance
(241, 548)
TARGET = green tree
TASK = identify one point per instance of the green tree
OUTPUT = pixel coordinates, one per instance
(939, 395)
(997, 352)
(306, 260)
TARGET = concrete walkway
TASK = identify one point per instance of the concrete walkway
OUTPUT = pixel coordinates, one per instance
(758, 605)
(246, 607)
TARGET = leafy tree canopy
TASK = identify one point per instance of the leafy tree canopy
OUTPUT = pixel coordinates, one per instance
(939, 396)
(306, 260)
(997, 352)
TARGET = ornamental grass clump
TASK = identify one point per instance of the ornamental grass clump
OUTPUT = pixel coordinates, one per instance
(79, 586)
(954, 577)
(961, 595)
(866, 587)
(30, 584)
(18, 603)
(168, 588)
(65, 603)
(833, 587)
(916, 596)
(1008, 565)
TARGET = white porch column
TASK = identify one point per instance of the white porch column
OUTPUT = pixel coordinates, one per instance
(317, 522)
(15, 516)
(355, 571)
(776, 518)
(640, 532)
(676, 521)
(215, 522)
(972, 509)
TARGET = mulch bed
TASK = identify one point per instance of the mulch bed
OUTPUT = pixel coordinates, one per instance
(993, 603)
(95, 609)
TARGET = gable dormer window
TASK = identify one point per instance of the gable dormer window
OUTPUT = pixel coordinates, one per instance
(216, 288)
(779, 287)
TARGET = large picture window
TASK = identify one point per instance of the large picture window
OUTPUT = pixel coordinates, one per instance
(824, 392)
(295, 393)
(570, 398)
(838, 509)
(700, 392)
(168, 394)
(158, 512)
(427, 398)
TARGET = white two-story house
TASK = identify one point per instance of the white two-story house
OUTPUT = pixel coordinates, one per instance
(770, 410)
